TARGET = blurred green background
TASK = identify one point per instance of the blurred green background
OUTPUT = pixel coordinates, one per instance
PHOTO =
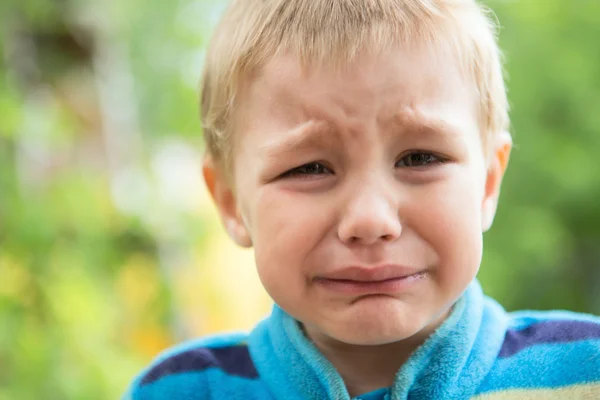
(110, 250)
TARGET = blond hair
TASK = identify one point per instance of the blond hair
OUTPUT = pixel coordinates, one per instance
(334, 31)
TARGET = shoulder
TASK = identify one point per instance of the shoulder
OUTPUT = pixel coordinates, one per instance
(195, 369)
(531, 331)
(547, 351)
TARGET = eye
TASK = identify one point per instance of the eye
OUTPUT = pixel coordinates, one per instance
(307, 170)
(418, 159)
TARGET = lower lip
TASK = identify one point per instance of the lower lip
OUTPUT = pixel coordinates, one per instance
(388, 286)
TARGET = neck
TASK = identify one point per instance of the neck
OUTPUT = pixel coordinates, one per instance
(365, 368)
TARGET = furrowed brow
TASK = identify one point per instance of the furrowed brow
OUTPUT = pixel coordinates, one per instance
(427, 127)
(309, 135)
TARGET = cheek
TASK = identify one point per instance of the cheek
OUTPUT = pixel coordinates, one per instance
(450, 222)
(284, 232)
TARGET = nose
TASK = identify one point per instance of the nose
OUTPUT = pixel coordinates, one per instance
(371, 216)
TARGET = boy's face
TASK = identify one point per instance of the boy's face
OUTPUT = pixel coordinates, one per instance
(364, 191)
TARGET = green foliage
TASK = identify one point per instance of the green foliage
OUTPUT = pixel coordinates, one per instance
(542, 251)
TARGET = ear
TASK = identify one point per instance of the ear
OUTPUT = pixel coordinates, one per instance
(496, 169)
(224, 197)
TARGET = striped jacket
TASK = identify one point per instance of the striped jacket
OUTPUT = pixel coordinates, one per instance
(479, 352)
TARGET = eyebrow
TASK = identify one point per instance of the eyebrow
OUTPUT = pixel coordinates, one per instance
(425, 127)
(305, 136)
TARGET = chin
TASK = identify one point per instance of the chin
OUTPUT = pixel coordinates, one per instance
(377, 333)
(372, 339)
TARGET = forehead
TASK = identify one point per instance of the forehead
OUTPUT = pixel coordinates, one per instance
(407, 85)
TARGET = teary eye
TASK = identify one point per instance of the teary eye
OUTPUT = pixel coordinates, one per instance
(418, 159)
(313, 168)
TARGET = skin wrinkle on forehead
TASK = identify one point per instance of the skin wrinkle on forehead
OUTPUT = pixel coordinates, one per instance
(309, 135)
(318, 134)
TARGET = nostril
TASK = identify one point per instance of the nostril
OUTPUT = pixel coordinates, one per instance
(389, 237)
(354, 239)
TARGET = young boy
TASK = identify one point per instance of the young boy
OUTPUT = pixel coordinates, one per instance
(359, 146)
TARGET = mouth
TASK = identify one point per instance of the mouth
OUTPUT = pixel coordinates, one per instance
(373, 280)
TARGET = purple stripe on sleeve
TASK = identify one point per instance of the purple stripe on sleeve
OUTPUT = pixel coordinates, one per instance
(548, 332)
(234, 360)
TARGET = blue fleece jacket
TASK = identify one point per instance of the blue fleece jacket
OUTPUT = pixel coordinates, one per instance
(479, 352)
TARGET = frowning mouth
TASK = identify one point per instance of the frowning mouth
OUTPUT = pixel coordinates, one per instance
(380, 280)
